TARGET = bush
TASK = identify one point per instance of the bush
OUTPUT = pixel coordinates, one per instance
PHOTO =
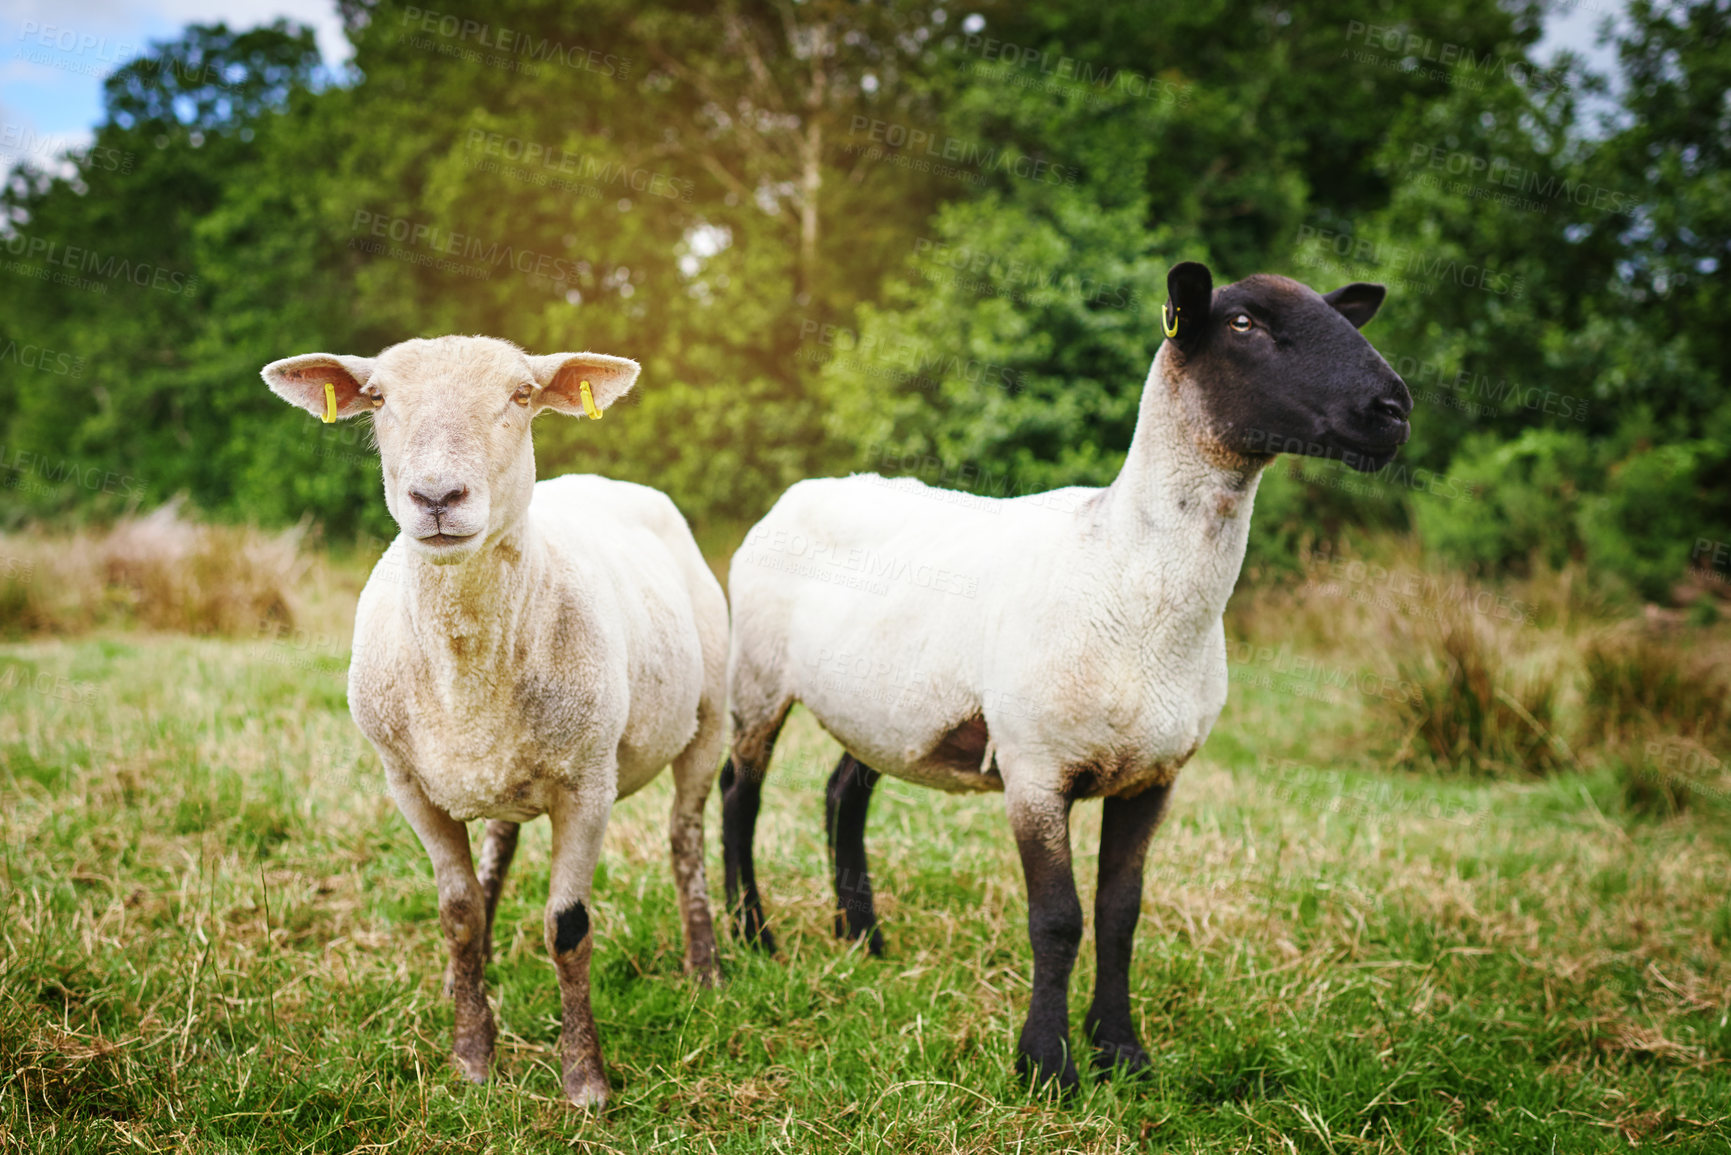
(1546, 497)
(1303, 503)
(1466, 707)
(1641, 685)
(1529, 493)
(161, 571)
(1656, 504)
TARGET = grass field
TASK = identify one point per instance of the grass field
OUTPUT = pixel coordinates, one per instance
(219, 936)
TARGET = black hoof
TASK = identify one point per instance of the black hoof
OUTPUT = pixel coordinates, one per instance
(1126, 1058)
(750, 926)
(1046, 1073)
(844, 929)
(756, 934)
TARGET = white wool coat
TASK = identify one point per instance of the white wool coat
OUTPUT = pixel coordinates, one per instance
(577, 661)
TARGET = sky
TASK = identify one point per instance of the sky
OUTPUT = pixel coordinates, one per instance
(54, 53)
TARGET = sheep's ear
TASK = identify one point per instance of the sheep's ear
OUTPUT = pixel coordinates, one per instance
(1357, 302)
(1189, 299)
(561, 377)
(301, 381)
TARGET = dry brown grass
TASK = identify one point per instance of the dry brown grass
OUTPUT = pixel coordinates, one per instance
(1474, 680)
(1640, 682)
(1523, 677)
(163, 571)
(1469, 706)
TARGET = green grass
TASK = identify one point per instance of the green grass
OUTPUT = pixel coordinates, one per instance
(218, 935)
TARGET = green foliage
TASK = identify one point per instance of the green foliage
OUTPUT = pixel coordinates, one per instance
(1656, 504)
(1524, 496)
(898, 237)
(1552, 496)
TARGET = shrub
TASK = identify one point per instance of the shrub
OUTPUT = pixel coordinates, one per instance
(1656, 504)
(1466, 708)
(1301, 501)
(1639, 685)
(161, 570)
(1528, 494)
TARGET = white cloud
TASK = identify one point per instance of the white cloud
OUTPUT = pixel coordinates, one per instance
(136, 21)
(54, 55)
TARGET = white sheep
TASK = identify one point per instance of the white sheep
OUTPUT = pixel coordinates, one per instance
(524, 649)
(1055, 647)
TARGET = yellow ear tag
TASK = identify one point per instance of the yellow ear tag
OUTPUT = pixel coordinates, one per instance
(589, 402)
(330, 403)
(1172, 327)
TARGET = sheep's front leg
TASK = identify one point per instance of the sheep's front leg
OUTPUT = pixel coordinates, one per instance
(462, 914)
(1040, 820)
(1126, 830)
(579, 822)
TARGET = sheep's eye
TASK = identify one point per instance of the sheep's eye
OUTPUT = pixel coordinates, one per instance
(523, 393)
(375, 398)
(1240, 323)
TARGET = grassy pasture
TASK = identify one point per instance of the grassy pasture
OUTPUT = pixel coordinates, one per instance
(219, 936)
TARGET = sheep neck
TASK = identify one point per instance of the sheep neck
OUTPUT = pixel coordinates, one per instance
(1179, 509)
(469, 613)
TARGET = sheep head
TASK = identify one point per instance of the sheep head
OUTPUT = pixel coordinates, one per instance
(451, 418)
(1268, 365)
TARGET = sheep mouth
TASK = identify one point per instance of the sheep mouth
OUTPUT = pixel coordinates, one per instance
(444, 539)
(1370, 454)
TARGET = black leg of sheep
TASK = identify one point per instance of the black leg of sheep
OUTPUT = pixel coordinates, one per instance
(1127, 828)
(1054, 931)
(741, 794)
(846, 800)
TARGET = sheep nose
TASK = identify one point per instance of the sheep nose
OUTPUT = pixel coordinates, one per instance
(423, 497)
(1397, 403)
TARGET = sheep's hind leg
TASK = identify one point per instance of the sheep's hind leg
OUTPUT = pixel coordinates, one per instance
(846, 800)
(741, 794)
(579, 823)
(497, 850)
(1127, 828)
(462, 914)
(693, 774)
(1040, 820)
